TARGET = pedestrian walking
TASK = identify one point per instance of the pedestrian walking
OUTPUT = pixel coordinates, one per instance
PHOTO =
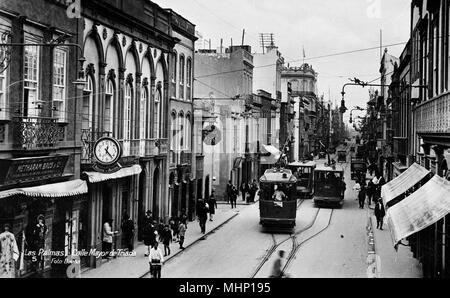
(149, 235)
(234, 194)
(255, 189)
(362, 197)
(128, 232)
(166, 240)
(160, 229)
(379, 214)
(155, 260)
(278, 265)
(182, 230)
(229, 191)
(108, 235)
(244, 191)
(370, 192)
(202, 214)
(174, 223)
(183, 217)
(212, 206)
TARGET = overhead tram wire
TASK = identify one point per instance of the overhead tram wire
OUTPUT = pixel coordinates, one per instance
(312, 58)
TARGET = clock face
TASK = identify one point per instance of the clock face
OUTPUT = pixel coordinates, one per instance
(107, 151)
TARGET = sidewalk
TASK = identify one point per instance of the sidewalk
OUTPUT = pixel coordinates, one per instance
(239, 201)
(137, 266)
(392, 263)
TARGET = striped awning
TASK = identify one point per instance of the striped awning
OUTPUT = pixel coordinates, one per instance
(55, 190)
(95, 177)
(398, 186)
(426, 206)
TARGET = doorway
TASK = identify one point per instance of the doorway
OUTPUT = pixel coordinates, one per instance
(155, 197)
(140, 215)
(206, 187)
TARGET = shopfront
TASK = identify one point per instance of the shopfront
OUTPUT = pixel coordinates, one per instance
(111, 197)
(49, 223)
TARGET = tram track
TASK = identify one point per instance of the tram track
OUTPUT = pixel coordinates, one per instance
(295, 244)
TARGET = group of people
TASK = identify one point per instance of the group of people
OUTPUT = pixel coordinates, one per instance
(372, 192)
(154, 233)
(247, 190)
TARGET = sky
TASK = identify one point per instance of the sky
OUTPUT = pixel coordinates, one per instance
(320, 27)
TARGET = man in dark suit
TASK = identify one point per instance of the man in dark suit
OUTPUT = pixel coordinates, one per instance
(379, 214)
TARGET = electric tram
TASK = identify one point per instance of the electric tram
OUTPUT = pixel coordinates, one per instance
(329, 185)
(304, 172)
(278, 198)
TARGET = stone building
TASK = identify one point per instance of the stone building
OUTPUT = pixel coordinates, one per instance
(127, 96)
(186, 166)
(39, 131)
(222, 88)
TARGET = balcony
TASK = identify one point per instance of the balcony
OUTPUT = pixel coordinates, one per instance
(433, 116)
(36, 133)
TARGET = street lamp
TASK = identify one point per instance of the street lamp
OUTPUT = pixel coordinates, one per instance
(357, 108)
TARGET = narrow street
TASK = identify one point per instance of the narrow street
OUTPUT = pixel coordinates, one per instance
(333, 244)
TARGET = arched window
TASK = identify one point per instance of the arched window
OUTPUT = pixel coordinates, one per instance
(173, 130)
(108, 118)
(127, 112)
(188, 78)
(88, 100)
(188, 132)
(143, 130)
(181, 133)
(181, 77)
(173, 75)
(157, 115)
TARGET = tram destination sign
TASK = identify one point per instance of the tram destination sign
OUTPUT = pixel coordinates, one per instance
(21, 170)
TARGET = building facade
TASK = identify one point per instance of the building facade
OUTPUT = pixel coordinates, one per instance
(185, 166)
(430, 101)
(127, 97)
(39, 151)
(222, 88)
(303, 82)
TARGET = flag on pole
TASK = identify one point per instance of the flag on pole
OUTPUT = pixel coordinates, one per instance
(304, 54)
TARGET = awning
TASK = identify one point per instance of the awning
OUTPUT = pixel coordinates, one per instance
(95, 177)
(63, 189)
(426, 206)
(398, 186)
(270, 155)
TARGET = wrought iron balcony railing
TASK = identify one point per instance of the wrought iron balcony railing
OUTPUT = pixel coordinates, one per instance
(34, 133)
(433, 116)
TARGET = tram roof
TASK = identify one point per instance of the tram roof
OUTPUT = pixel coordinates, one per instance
(278, 176)
(304, 164)
(324, 168)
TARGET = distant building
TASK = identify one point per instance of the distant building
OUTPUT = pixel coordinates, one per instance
(223, 87)
(303, 82)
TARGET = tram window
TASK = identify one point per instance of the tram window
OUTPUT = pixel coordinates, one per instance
(277, 192)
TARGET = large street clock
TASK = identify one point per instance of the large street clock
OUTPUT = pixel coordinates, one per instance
(107, 152)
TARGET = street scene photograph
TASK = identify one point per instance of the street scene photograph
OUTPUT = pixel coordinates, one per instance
(224, 139)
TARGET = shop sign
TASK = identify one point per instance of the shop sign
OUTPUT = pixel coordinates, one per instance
(21, 170)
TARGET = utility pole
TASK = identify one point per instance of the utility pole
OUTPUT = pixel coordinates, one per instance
(243, 36)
